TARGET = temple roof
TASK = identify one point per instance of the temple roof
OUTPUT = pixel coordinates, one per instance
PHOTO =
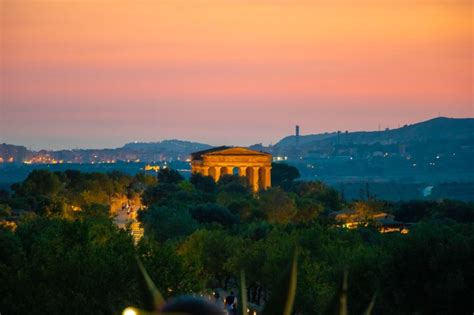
(225, 150)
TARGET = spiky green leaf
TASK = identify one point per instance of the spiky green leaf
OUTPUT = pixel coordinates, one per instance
(243, 294)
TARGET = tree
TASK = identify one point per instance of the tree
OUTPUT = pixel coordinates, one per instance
(235, 194)
(208, 252)
(159, 194)
(168, 269)
(203, 183)
(413, 211)
(242, 207)
(145, 179)
(169, 176)
(4, 195)
(39, 182)
(263, 261)
(460, 211)
(213, 213)
(429, 271)
(56, 266)
(5, 210)
(283, 175)
(318, 192)
(233, 183)
(308, 210)
(277, 205)
(164, 223)
(370, 207)
(95, 210)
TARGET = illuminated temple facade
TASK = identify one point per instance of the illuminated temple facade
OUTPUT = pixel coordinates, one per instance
(220, 161)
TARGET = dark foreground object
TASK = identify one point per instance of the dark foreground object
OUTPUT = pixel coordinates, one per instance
(191, 305)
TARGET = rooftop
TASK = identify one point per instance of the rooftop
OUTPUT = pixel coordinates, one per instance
(225, 150)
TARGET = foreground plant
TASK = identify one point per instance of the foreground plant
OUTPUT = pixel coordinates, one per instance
(281, 300)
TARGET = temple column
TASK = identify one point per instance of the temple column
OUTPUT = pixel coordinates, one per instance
(254, 179)
(217, 173)
(268, 177)
(205, 170)
(229, 170)
(243, 171)
(223, 170)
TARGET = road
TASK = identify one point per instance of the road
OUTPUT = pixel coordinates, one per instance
(125, 211)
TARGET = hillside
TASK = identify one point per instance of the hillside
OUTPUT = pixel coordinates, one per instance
(166, 145)
(143, 151)
(436, 151)
(441, 128)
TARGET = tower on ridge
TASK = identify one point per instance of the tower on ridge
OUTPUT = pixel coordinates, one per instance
(297, 133)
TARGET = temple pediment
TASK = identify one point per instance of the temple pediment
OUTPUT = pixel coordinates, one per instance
(231, 151)
(237, 151)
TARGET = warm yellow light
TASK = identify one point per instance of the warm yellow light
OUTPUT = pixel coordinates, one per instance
(129, 311)
(155, 168)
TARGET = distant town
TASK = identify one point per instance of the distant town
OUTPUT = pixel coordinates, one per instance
(430, 153)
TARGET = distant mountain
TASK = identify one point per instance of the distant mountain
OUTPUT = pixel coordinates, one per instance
(434, 151)
(291, 140)
(441, 128)
(439, 135)
(167, 145)
(139, 151)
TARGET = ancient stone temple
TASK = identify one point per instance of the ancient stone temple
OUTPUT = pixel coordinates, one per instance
(217, 162)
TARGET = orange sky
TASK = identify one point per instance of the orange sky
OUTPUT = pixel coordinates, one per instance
(97, 73)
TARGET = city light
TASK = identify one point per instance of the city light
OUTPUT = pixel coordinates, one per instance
(154, 168)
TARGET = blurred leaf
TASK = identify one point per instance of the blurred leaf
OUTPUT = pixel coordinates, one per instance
(292, 284)
(370, 308)
(343, 295)
(282, 298)
(152, 298)
(243, 294)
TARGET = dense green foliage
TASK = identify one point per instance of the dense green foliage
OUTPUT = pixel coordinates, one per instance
(57, 266)
(59, 193)
(199, 235)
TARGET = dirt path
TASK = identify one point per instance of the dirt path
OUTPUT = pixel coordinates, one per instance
(125, 211)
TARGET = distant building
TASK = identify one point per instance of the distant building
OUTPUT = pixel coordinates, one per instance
(402, 149)
(154, 168)
(297, 134)
(216, 162)
(385, 222)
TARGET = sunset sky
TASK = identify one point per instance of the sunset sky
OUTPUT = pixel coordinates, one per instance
(99, 73)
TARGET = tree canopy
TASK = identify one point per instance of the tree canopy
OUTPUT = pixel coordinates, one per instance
(200, 234)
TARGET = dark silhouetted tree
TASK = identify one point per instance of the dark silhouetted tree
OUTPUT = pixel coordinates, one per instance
(164, 223)
(169, 176)
(203, 183)
(277, 205)
(213, 213)
(283, 175)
